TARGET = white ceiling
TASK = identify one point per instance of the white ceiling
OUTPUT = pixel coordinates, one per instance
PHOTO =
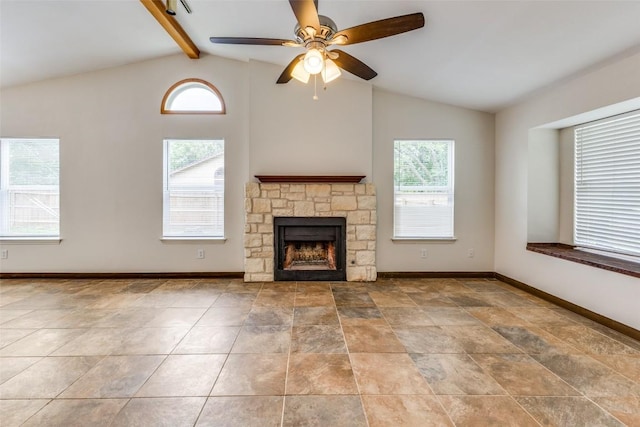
(477, 54)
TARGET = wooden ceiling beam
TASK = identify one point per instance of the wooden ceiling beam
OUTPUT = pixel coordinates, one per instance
(158, 10)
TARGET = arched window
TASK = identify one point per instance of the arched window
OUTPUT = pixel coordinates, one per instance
(192, 96)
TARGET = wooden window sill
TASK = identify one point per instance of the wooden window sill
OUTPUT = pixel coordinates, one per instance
(570, 253)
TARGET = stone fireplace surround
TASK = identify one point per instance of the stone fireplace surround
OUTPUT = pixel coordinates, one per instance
(354, 201)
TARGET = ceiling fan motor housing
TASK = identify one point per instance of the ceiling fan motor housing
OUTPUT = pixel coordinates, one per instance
(327, 29)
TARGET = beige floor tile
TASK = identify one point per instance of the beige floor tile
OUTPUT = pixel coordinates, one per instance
(151, 341)
(114, 376)
(12, 366)
(263, 339)
(589, 376)
(317, 339)
(387, 373)
(480, 339)
(94, 342)
(496, 316)
(265, 316)
(406, 316)
(227, 353)
(184, 375)
(625, 409)
(486, 411)
(252, 374)
(77, 412)
(455, 374)
(176, 317)
(305, 316)
(208, 339)
(372, 339)
(563, 411)
(9, 336)
(160, 412)
(627, 365)
(320, 374)
(245, 411)
(334, 411)
(47, 378)
(534, 340)
(588, 340)
(404, 410)
(41, 342)
(427, 339)
(224, 316)
(36, 319)
(14, 413)
(391, 298)
(521, 375)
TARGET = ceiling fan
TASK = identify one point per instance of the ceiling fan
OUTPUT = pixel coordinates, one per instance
(316, 33)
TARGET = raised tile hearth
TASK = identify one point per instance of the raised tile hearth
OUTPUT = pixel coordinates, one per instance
(353, 201)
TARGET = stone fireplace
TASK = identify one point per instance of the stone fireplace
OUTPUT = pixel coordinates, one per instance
(297, 254)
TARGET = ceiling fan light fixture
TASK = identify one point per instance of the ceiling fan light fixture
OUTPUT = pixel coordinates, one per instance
(339, 39)
(299, 73)
(313, 61)
(331, 71)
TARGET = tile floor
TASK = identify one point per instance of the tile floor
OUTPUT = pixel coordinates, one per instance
(439, 352)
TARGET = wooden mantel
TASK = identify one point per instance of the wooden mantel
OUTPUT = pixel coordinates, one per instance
(310, 179)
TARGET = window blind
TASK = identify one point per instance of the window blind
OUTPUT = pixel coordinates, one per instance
(607, 184)
(423, 189)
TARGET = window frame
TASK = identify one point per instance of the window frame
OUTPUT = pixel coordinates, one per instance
(449, 191)
(214, 186)
(6, 187)
(169, 94)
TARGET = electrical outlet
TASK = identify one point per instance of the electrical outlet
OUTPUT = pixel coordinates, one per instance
(471, 253)
(423, 253)
(5, 254)
(200, 254)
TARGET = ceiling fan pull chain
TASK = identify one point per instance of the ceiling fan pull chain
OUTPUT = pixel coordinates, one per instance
(315, 87)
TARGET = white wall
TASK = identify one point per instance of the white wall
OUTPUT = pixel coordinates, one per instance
(401, 117)
(291, 134)
(610, 294)
(111, 134)
(543, 189)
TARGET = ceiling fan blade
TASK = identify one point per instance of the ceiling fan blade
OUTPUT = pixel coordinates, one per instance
(286, 74)
(379, 29)
(306, 12)
(353, 65)
(252, 41)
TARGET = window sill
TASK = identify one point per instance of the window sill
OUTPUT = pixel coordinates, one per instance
(570, 253)
(424, 239)
(30, 240)
(193, 239)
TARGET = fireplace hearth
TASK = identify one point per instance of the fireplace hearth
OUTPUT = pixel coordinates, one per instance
(309, 248)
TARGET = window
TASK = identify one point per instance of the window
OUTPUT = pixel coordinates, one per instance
(29, 188)
(193, 188)
(607, 185)
(423, 189)
(192, 96)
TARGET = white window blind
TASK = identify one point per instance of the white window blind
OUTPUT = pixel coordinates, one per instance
(29, 188)
(193, 188)
(423, 189)
(607, 185)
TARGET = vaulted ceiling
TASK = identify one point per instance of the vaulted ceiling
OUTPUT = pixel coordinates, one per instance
(478, 54)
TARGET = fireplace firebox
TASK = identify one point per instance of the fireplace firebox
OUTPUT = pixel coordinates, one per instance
(309, 248)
